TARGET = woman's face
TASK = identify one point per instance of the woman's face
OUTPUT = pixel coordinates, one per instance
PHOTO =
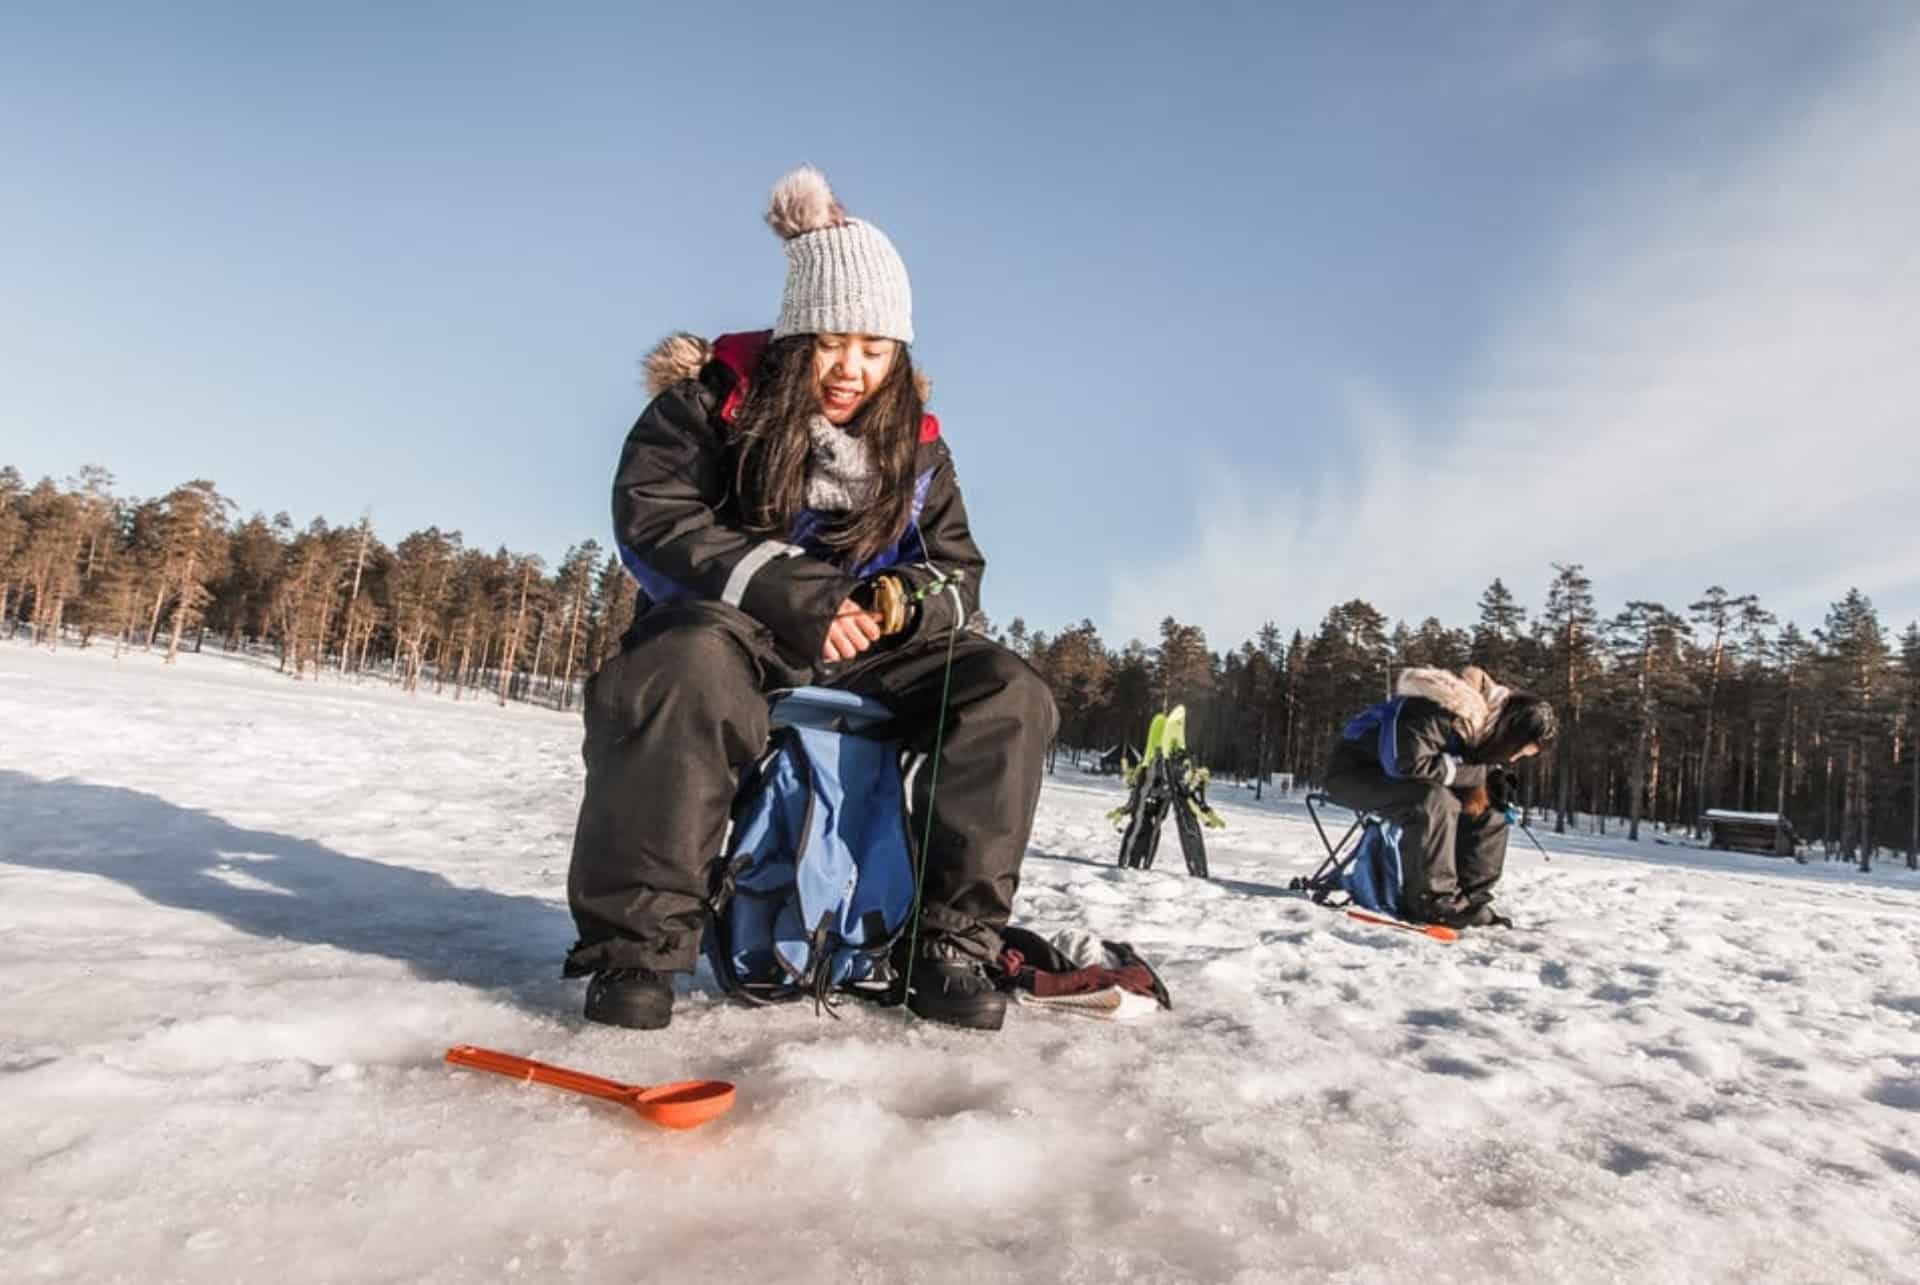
(848, 369)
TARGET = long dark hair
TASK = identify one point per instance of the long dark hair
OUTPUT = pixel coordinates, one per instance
(1524, 719)
(770, 477)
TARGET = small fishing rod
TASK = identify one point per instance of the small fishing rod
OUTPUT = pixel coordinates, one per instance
(1513, 819)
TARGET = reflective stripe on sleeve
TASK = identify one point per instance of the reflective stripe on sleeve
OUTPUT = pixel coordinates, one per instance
(749, 566)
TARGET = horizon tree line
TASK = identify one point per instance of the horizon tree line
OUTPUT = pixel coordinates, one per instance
(82, 565)
(1667, 710)
(1666, 713)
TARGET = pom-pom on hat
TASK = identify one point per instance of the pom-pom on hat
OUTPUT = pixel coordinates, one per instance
(843, 275)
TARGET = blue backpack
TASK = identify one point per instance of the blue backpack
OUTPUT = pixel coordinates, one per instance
(817, 881)
(1379, 724)
(1371, 878)
(1364, 865)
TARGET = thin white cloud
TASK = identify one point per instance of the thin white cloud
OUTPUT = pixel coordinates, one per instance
(1558, 43)
(1721, 377)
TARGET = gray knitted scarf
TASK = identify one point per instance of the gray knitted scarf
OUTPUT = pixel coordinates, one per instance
(840, 474)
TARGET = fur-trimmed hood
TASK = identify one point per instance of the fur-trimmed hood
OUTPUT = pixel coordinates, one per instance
(681, 355)
(1471, 696)
(676, 358)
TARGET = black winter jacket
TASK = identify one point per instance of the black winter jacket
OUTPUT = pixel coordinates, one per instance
(680, 534)
(1409, 738)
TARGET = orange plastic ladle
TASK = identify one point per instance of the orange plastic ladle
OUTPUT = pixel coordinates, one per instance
(684, 1104)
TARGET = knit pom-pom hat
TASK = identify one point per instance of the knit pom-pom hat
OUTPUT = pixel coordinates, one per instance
(843, 275)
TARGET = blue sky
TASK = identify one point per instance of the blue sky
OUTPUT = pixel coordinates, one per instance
(1233, 313)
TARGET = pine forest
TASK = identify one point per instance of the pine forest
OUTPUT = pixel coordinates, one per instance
(1668, 709)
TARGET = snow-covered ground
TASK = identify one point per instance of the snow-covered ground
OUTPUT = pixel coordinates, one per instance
(241, 918)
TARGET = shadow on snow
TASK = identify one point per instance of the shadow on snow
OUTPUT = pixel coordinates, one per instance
(279, 886)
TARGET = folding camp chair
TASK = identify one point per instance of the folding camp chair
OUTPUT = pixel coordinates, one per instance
(1363, 868)
(1325, 880)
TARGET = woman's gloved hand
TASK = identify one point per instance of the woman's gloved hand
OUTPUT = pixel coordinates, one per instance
(1500, 787)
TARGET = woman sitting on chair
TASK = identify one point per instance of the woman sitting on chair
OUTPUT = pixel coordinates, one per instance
(791, 515)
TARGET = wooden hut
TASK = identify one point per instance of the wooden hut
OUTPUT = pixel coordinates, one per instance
(1768, 833)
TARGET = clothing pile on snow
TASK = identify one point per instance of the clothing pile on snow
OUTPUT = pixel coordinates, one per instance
(1077, 972)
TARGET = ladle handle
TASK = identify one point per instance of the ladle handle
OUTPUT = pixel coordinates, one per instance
(525, 1068)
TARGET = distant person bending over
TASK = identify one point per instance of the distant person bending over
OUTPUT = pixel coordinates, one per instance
(1435, 761)
(781, 501)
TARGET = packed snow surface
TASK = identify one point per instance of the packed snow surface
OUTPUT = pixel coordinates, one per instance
(241, 918)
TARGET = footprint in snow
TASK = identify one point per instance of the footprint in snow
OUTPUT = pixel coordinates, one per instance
(1627, 1160)
(1902, 1095)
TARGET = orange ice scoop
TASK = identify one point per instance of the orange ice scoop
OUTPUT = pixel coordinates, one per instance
(681, 1105)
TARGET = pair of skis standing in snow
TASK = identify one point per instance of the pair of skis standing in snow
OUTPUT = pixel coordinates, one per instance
(1165, 781)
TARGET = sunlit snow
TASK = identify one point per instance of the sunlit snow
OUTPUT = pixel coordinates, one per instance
(241, 918)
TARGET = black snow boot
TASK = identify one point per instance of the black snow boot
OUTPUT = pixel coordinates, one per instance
(1467, 914)
(951, 987)
(638, 998)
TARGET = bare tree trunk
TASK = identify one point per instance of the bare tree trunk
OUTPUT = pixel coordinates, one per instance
(1826, 808)
(460, 668)
(1913, 832)
(1637, 776)
(573, 645)
(182, 607)
(322, 639)
(1653, 774)
(539, 653)
(296, 640)
(1863, 805)
(153, 622)
(353, 598)
(1293, 720)
(1786, 748)
(513, 639)
(1636, 781)
(57, 622)
(1565, 784)
(1260, 756)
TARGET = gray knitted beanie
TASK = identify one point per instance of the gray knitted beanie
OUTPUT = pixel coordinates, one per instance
(843, 275)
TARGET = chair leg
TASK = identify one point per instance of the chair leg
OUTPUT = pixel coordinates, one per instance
(1339, 855)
